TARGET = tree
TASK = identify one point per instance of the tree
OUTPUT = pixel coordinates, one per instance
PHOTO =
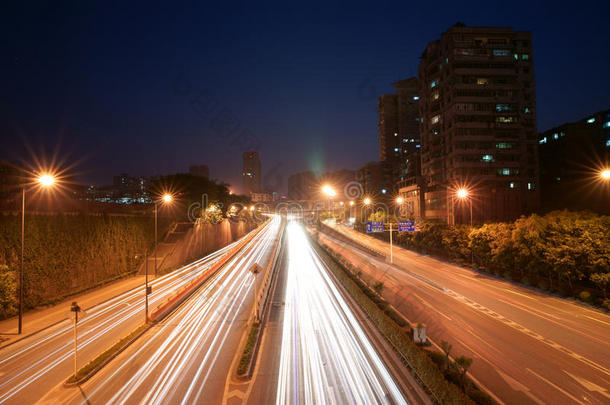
(8, 289)
(463, 364)
(602, 281)
(446, 347)
(378, 287)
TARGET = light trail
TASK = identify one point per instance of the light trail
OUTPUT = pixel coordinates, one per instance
(326, 357)
(37, 364)
(174, 364)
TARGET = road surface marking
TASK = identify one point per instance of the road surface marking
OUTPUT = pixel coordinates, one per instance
(517, 386)
(567, 394)
(589, 385)
(523, 295)
(590, 317)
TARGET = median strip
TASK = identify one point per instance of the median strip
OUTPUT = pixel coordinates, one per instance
(95, 365)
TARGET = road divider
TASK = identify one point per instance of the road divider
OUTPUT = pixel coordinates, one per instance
(247, 361)
(173, 301)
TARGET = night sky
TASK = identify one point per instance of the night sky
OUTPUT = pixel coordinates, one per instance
(151, 89)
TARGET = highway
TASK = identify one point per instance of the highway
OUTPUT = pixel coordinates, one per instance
(528, 346)
(185, 358)
(326, 357)
(34, 365)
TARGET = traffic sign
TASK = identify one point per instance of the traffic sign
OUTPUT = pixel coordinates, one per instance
(374, 226)
(406, 226)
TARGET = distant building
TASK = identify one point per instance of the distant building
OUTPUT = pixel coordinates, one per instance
(398, 128)
(571, 156)
(302, 186)
(199, 171)
(262, 197)
(251, 173)
(478, 124)
(375, 179)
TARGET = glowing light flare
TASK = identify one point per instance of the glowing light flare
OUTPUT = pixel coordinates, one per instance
(46, 180)
(367, 201)
(605, 174)
(167, 198)
(329, 191)
(399, 200)
(462, 193)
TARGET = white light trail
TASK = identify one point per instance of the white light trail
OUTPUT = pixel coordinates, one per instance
(326, 357)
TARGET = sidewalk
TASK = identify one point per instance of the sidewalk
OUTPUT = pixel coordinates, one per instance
(41, 318)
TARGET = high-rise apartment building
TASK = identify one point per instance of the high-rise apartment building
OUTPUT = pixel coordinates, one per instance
(251, 173)
(571, 158)
(398, 127)
(478, 124)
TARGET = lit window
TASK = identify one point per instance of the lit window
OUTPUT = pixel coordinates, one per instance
(434, 83)
(417, 146)
(501, 52)
(505, 145)
(607, 124)
(607, 143)
(446, 60)
(487, 158)
(525, 56)
(384, 191)
(482, 80)
(435, 119)
(562, 134)
(591, 120)
(527, 110)
(543, 140)
(504, 172)
(516, 57)
(396, 149)
(395, 134)
(435, 95)
(506, 119)
(530, 186)
(555, 136)
(511, 184)
(415, 98)
(503, 107)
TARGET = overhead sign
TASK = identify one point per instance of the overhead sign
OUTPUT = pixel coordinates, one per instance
(374, 226)
(406, 226)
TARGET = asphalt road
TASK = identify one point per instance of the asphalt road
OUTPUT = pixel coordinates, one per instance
(187, 357)
(33, 366)
(528, 346)
(326, 357)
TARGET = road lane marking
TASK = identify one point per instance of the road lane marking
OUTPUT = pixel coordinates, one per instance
(590, 317)
(589, 385)
(567, 394)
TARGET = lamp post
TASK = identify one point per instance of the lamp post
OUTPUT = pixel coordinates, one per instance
(605, 174)
(45, 180)
(165, 199)
(76, 309)
(255, 269)
(462, 194)
(330, 192)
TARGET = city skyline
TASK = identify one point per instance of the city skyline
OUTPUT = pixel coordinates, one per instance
(299, 110)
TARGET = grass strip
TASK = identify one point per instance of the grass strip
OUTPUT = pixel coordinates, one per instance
(244, 362)
(101, 360)
(433, 379)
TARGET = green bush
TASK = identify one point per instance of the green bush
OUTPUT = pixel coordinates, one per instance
(585, 296)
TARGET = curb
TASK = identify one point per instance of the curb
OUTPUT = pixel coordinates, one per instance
(31, 334)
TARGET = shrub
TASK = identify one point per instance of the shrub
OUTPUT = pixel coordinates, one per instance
(480, 397)
(585, 296)
(526, 280)
(543, 284)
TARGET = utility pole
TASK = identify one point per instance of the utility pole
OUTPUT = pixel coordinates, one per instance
(76, 309)
(391, 245)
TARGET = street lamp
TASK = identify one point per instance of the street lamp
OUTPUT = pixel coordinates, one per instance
(165, 199)
(462, 194)
(605, 174)
(330, 192)
(45, 180)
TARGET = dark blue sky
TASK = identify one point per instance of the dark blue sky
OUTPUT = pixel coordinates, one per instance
(150, 89)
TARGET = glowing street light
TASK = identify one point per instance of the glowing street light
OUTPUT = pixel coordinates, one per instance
(463, 194)
(367, 201)
(166, 198)
(351, 203)
(252, 208)
(399, 200)
(605, 174)
(46, 180)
